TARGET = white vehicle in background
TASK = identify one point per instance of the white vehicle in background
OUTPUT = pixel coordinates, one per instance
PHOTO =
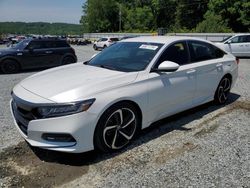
(238, 45)
(105, 102)
(104, 42)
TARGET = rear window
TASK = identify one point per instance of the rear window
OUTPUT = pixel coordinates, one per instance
(114, 39)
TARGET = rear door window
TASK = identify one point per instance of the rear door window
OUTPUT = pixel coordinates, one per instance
(201, 51)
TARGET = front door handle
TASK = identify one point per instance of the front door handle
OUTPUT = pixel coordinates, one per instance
(191, 71)
(219, 65)
(49, 52)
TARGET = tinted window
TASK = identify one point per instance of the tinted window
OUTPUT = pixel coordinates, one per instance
(61, 44)
(36, 45)
(218, 52)
(201, 51)
(104, 39)
(126, 56)
(241, 39)
(114, 39)
(235, 40)
(177, 53)
(245, 38)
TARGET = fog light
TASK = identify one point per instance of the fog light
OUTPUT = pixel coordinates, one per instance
(55, 137)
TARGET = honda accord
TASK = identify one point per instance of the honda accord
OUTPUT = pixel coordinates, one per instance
(103, 103)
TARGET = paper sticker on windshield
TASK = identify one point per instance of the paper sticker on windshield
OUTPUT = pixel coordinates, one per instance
(148, 47)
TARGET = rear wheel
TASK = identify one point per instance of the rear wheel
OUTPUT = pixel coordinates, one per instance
(9, 66)
(95, 47)
(68, 60)
(223, 90)
(116, 127)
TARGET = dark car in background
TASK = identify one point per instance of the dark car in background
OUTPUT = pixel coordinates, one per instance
(36, 53)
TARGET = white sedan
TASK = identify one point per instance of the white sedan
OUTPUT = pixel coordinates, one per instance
(238, 45)
(103, 103)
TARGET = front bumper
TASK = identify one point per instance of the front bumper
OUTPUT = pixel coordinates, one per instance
(80, 126)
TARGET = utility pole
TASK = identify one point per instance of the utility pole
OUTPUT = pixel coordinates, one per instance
(120, 18)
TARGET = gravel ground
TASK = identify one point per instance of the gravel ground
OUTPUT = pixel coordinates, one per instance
(208, 146)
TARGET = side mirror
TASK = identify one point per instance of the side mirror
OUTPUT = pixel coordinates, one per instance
(167, 66)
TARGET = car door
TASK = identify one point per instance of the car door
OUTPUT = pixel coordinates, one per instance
(55, 52)
(246, 45)
(36, 55)
(208, 61)
(171, 92)
(236, 45)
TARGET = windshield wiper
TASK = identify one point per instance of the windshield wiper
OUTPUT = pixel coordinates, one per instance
(108, 67)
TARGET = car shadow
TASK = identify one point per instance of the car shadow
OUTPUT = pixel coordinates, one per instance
(157, 129)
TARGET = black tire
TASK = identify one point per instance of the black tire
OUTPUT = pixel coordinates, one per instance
(112, 133)
(95, 47)
(223, 90)
(104, 46)
(10, 66)
(68, 60)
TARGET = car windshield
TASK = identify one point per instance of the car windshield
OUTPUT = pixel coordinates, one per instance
(126, 56)
(226, 39)
(21, 45)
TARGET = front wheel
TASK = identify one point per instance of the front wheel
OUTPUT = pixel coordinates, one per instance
(116, 127)
(10, 66)
(223, 90)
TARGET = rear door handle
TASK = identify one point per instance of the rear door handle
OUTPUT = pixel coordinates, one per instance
(49, 52)
(191, 71)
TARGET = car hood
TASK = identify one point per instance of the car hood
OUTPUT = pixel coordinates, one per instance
(7, 51)
(75, 82)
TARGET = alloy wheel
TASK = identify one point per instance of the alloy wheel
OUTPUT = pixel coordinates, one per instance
(119, 128)
(223, 90)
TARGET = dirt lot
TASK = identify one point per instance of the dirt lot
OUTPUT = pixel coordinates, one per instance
(208, 146)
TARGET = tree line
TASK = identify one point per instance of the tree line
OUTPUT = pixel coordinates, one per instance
(40, 28)
(174, 16)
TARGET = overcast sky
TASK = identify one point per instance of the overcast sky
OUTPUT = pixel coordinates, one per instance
(68, 11)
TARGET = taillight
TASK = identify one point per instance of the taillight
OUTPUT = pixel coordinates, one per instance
(237, 60)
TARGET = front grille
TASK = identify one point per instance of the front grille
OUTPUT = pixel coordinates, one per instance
(23, 115)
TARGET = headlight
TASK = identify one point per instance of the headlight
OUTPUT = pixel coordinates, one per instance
(64, 109)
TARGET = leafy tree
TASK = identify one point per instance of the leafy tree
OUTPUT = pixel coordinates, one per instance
(236, 13)
(213, 24)
(139, 19)
(100, 16)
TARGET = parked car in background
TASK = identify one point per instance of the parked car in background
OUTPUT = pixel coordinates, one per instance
(104, 42)
(36, 53)
(238, 45)
(103, 103)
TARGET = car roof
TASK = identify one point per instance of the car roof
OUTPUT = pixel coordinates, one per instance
(241, 34)
(161, 39)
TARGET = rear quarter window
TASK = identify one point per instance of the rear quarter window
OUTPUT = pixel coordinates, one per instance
(62, 44)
